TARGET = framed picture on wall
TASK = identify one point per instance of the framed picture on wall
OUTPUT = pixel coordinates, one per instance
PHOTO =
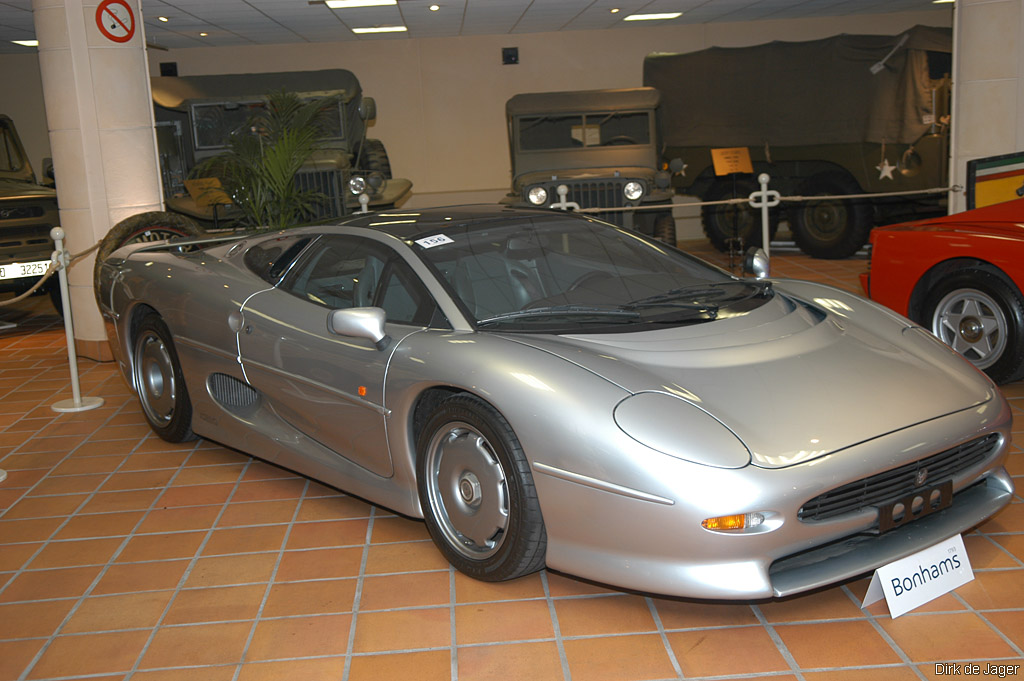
(995, 179)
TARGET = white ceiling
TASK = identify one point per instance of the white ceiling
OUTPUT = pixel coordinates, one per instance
(248, 22)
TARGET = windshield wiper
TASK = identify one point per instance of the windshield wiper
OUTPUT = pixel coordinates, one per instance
(561, 310)
(696, 290)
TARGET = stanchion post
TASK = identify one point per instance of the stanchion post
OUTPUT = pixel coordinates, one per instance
(765, 199)
(62, 259)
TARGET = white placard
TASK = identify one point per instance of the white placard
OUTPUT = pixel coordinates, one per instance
(436, 240)
(911, 582)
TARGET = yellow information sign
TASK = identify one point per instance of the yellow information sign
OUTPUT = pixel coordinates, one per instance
(732, 160)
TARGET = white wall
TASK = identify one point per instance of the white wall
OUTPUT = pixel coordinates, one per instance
(989, 84)
(441, 101)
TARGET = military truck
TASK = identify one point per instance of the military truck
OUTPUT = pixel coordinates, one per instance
(28, 211)
(849, 114)
(196, 115)
(603, 147)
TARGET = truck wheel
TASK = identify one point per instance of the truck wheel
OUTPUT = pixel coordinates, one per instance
(665, 228)
(152, 226)
(375, 158)
(735, 225)
(830, 228)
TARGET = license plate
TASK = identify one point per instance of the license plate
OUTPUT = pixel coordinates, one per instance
(17, 270)
(915, 505)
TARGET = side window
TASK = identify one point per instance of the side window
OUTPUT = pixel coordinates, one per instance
(344, 272)
(270, 259)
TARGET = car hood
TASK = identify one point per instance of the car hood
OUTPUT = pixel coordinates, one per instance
(794, 379)
(12, 188)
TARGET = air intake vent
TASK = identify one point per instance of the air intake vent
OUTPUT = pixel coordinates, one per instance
(231, 393)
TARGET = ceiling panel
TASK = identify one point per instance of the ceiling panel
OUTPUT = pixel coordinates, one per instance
(233, 22)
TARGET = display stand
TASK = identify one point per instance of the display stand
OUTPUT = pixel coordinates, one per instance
(77, 402)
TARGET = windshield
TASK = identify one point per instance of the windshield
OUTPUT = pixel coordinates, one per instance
(554, 273)
(10, 152)
(544, 133)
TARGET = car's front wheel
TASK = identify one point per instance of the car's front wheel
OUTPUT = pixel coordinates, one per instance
(156, 374)
(477, 492)
(980, 315)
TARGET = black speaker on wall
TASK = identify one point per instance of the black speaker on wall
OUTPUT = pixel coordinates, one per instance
(509, 55)
(168, 68)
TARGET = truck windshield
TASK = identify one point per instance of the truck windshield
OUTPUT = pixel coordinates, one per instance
(572, 131)
(10, 154)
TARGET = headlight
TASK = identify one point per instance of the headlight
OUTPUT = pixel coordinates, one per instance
(675, 427)
(633, 190)
(538, 196)
(357, 185)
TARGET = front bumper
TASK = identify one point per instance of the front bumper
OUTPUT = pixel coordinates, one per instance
(657, 545)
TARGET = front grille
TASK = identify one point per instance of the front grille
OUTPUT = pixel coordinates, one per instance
(598, 194)
(325, 182)
(898, 482)
(25, 243)
(21, 212)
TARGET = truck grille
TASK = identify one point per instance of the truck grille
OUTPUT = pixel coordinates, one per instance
(25, 243)
(597, 194)
(898, 482)
(329, 184)
(21, 212)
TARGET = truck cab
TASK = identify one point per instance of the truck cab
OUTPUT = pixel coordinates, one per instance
(601, 148)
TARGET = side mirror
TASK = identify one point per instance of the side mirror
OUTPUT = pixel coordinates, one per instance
(756, 263)
(360, 322)
(676, 165)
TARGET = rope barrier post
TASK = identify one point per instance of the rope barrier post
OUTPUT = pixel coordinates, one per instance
(62, 259)
(765, 199)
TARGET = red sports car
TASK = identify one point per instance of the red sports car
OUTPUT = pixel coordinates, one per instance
(960, 276)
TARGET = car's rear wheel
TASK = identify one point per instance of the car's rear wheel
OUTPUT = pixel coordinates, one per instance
(477, 492)
(157, 377)
(980, 315)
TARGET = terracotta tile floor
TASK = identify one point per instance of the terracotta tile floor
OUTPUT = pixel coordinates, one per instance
(124, 557)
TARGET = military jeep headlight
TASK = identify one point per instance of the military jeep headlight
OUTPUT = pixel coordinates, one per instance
(633, 190)
(538, 196)
(357, 185)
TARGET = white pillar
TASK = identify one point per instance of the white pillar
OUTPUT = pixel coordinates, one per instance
(988, 81)
(99, 112)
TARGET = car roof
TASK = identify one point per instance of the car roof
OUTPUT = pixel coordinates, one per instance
(411, 223)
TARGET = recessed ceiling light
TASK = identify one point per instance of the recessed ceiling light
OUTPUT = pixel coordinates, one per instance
(653, 17)
(346, 4)
(941, 2)
(26, 43)
(380, 29)
(434, 8)
(163, 19)
(203, 34)
(615, 10)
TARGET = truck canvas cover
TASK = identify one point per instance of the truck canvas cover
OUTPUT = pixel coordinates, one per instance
(174, 92)
(787, 94)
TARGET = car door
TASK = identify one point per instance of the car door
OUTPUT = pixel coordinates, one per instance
(327, 386)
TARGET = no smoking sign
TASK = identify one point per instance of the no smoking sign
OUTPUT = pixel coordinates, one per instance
(116, 20)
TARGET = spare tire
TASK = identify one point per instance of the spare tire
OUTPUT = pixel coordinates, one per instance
(151, 226)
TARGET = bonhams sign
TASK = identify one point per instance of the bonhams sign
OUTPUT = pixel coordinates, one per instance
(913, 581)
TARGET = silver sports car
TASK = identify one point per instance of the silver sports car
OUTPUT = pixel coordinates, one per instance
(545, 389)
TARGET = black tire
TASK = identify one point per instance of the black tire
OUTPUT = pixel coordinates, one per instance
(151, 226)
(831, 228)
(53, 290)
(376, 158)
(158, 381)
(477, 492)
(736, 225)
(980, 313)
(665, 228)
